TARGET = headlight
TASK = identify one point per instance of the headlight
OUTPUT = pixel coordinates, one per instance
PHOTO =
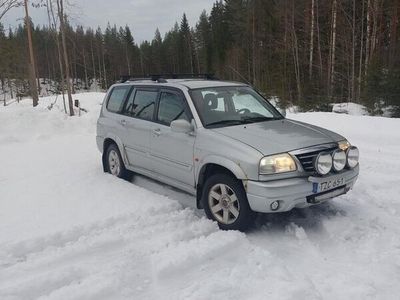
(352, 157)
(323, 163)
(344, 145)
(339, 160)
(279, 163)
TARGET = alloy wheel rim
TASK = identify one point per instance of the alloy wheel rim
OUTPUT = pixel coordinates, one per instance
(114, 163)
(223, 203)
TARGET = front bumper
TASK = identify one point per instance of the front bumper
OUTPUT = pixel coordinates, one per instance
(293, 192)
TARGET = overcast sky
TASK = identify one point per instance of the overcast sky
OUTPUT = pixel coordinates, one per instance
(142, 16)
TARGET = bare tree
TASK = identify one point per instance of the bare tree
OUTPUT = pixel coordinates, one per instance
(332, 50)
(368, 37)
(53, 26)
(311, 39)
(360, 66)
(6, 5)
(353, 54)
(32, 68)
(295, 50)
(319, 41)
(60, 9)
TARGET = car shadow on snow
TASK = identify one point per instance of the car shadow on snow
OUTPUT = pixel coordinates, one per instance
(310, 219)
(185, 199)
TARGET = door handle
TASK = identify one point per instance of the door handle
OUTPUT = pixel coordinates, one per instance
(123, 122)
(157, 132)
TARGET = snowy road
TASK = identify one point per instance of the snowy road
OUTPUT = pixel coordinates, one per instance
(69, 231)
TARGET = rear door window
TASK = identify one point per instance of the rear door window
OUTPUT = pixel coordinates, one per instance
(143, 104)
(117, 98)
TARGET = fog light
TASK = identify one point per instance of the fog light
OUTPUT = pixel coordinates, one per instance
(323, 163)
(339, 160)
(274, 205)
(353, 156)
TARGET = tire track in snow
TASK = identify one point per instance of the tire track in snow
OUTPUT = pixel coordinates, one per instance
(104, 245)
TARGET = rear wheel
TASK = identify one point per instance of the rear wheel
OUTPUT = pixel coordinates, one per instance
(114, 163)
(224, 200)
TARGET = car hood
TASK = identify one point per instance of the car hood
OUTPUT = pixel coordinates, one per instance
(279, 136)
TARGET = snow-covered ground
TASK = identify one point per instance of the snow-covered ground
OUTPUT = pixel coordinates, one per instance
(69, 231)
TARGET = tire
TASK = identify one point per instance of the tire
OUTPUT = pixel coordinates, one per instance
(224, 200)
(114, 163)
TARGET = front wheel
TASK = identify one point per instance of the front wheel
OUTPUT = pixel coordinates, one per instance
(225, 201)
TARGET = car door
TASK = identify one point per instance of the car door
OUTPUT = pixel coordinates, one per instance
(112, 119)
(172, 152)
(139, 113)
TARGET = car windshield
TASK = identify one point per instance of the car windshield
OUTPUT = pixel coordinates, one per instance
(232, 105)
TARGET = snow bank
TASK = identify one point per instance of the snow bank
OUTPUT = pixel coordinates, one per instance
(350, 109)
(69, 231)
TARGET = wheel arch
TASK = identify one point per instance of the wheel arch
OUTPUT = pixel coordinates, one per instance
(214, 165)
(107, 142)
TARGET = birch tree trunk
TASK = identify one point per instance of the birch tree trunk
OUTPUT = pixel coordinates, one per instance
(361, 51)
(93, 64)
(296, 57)
(373, 39)
(10, 88)
(100, 54)
(32, 69)
(104, 71)
(253, 33)
(310, 68)
(53, 26)
(85, 69)
(60, 8)
(332, 50)
(353, 53)
(128, 62)
(319, 42)
(367, 41)
(393, 32)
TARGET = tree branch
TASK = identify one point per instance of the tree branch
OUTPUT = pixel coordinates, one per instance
(6, 5)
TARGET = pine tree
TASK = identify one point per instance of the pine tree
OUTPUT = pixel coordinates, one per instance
(203, 43)
(186, 46)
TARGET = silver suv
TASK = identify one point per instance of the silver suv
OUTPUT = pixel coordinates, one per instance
(224, 143)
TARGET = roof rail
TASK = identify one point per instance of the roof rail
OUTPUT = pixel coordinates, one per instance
(161, 78)
(208, 76)
(125, 78)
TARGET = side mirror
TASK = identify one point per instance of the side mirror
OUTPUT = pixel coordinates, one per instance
(181, 126)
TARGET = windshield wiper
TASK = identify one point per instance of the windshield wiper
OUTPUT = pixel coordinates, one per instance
(258, 119)
(226, 122)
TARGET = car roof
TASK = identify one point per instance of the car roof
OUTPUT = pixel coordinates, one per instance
(184, 83)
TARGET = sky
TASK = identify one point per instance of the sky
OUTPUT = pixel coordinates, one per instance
(142, 16)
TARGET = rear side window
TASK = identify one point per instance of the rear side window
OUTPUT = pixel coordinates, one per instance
(143, 104)
(171, 108)
(117, 98)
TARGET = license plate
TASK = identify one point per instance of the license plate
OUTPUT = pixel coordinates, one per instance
(326, 185)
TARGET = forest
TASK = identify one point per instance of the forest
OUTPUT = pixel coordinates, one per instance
(309, 53)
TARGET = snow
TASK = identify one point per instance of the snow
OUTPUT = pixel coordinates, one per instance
(47, 88)
(350, 109)
(69, 231)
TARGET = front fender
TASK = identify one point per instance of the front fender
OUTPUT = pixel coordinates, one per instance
(228, 164)
(232, 166)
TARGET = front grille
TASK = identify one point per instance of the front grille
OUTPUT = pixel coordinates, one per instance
(307, 159)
